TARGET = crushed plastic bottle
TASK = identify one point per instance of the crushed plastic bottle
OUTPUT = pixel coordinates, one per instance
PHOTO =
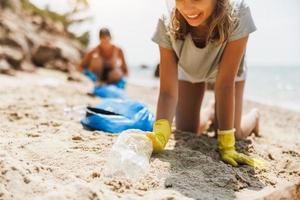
(130, 155)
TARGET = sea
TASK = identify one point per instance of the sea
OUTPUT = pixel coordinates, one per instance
(276, 86)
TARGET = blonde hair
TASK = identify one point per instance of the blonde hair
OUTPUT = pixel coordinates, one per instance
(220, 23)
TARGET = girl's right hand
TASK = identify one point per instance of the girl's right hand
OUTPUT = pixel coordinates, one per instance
(160, 135)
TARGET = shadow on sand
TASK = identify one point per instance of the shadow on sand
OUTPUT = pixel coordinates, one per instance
(197, 172)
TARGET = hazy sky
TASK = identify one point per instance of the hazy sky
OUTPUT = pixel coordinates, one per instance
(132, 22)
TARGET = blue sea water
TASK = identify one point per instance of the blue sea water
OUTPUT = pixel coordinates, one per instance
(279, 86)
(276, 86)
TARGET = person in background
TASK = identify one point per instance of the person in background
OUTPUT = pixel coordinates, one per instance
(106, 62)
(202, 41)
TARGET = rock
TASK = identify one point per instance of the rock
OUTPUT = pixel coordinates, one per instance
(13, 56)
(68, 51)
(44, 54)
(4, 3)
(5, 68)
(77, 138)
(57, 65)
(1, 53)
(4, 65)
(27, 39)
(8, 22)
(3, 33)
(27, 66)
(14, 4)
(37, 20)
(75, 76)
(16, 40)
(33, 39)
(58, 27)
(15, 24)
(271, 157)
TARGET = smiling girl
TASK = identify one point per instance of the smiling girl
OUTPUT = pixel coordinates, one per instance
(201, 41)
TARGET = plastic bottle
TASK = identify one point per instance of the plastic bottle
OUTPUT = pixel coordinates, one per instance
(130, 155)
(75, 112)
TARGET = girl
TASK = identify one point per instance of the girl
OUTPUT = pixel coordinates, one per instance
(205, 40)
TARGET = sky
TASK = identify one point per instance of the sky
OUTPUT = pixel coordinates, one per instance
(133, 22)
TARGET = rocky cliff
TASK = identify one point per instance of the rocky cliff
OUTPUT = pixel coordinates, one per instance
(29, 40)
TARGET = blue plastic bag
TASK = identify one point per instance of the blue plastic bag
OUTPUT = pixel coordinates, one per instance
(109, 91)
(115, 116)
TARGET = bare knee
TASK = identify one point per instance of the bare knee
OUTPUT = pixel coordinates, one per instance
(187, 128)
(96, 64)
(115, 75)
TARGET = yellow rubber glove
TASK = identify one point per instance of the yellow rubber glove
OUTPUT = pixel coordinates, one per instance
(160, 135)
(226, 143)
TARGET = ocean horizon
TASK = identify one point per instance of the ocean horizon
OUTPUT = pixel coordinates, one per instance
(275, 86)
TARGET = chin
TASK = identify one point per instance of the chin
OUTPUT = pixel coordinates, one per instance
(194, 24)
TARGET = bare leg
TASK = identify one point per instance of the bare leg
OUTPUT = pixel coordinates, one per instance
(115, 75)
(247, 124)
(190, 96)
(97, 67)
(207, 117)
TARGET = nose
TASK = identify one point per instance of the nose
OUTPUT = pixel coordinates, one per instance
(188, 7)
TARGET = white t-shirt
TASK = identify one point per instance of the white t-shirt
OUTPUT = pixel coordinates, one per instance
(201, 64)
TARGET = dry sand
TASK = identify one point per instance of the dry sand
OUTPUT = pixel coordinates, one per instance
(44, 154)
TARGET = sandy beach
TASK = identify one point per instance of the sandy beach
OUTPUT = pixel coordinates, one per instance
(46, 154)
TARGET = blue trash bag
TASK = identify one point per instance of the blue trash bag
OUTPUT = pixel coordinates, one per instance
(116, 115)
(109, 91)
(90, 75)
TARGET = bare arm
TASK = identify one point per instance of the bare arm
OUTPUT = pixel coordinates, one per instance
(168, 93)
(85, 61)
(124, 64)
(225, 82)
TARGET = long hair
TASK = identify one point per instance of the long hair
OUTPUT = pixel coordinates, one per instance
(220, 23)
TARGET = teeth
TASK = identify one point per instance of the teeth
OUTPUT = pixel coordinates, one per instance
(192, 16)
